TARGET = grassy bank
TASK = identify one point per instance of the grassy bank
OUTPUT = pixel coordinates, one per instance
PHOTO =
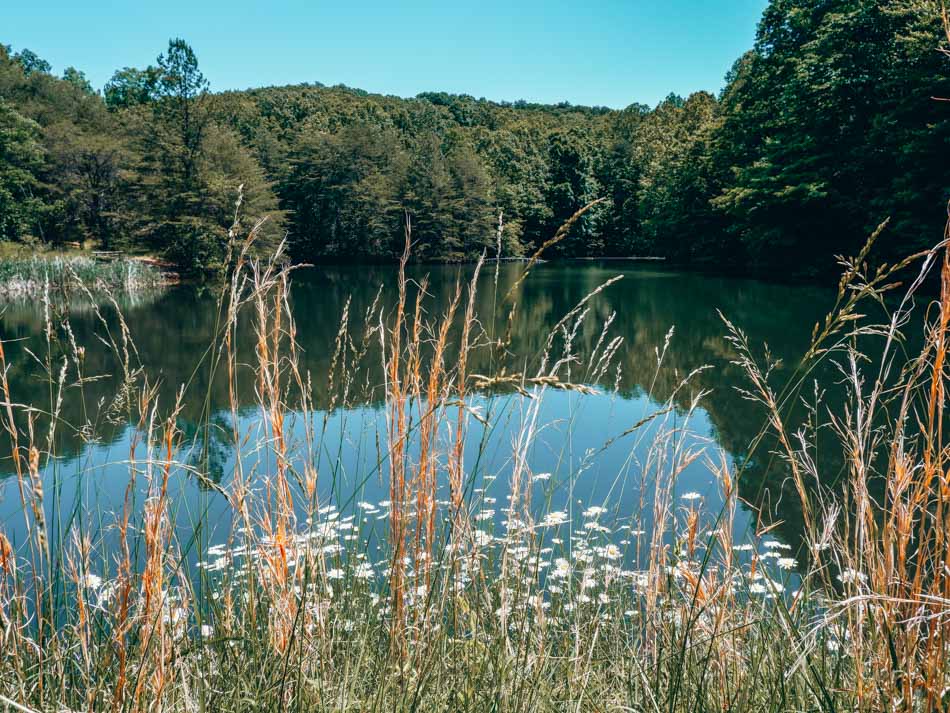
(468, 604)
(30, 276)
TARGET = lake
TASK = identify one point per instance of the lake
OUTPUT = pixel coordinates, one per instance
(578, 459)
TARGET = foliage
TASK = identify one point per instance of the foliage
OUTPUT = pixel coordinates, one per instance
(145, 169)
(130, 87)
(21, 157)
(347, 184)
(78, 79)
(824, 128)
(830, 126)
(31, 62)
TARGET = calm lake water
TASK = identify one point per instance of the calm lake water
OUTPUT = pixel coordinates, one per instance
(172, 332)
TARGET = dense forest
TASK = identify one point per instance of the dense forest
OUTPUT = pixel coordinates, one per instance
(828, 125)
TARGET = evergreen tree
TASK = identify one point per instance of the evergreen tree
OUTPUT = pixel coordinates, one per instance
(571, 186)
(344, 194)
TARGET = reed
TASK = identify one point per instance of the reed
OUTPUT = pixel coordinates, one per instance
(30, 276)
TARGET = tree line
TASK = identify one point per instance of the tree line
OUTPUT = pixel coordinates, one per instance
(829, 124)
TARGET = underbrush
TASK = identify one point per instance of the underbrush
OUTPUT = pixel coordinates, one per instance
(471, 604)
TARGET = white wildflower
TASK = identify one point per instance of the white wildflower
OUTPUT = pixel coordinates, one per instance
(852, 576)
(554, 518)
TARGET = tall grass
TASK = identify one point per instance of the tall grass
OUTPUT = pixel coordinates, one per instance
(671, 607)
(30, 276)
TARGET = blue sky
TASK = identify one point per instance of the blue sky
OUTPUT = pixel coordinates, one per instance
(602, 53)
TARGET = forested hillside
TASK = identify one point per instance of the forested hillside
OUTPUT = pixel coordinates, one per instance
(826, 127)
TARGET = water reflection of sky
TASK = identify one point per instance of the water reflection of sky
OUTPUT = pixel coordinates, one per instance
(576, 445)
(172, 331)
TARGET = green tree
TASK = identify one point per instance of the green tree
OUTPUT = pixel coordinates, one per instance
(677, 180)
(21, 159)
(448, 196)
(180, 184)
(77, 79)
(32, 62)
(181, 108)
(619, 172)
(344, 194)
(829, 126)
(571, 186)
(130, 87)
(88, 166)
(228, 170)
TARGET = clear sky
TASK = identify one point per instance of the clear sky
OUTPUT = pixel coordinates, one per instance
(605, 52)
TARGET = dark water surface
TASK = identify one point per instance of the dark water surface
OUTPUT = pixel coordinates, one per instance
(172, 332)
